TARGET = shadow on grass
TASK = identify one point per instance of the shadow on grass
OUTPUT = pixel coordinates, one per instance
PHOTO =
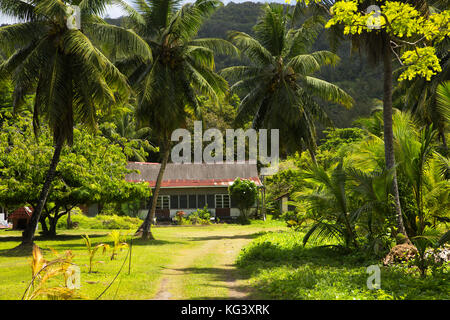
(224, 237)
(65, 242)
(324, 272)
(227, 277)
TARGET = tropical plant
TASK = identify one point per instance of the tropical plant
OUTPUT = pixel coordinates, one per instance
(422, 172)
(328, 205)
(422, 98)
(44, 270)
(92, 250)
(69, 75)
(278, 88)
(119, 242)
(180, 68)
(200, 216)
(388, 37)
(123, 130)
(83, 175)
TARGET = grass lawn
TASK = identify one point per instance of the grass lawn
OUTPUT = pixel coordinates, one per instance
(183, 263)
(279, 267)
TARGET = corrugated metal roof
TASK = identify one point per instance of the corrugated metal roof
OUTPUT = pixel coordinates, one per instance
(194, 174)
(22, 212)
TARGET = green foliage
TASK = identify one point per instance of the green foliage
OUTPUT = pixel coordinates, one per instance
(400, 21)
(244, 193)
(119, 242)
(102, 222)
(92, 250)
(338, 137)
(280, 267)
(92, 170)
(200, 216)
(278, 88)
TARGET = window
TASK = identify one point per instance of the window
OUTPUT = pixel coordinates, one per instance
(183, 201)
(222, 201)
(174, 202)
(144, 204)
(163, 202)
(201, 201)
(210, 201)
(192, 201)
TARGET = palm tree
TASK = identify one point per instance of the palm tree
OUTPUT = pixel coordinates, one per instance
(422, 172)
(181, 68)
(378, 48)
(68, 74)
(123, 128)
(277, 86)
(328, 204)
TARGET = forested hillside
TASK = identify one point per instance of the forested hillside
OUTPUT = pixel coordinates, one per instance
(352, 74)
(362, 82)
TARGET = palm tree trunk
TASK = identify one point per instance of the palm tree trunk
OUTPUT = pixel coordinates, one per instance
(145, 228)
(388, 131)
(28, 234)
(313, 155)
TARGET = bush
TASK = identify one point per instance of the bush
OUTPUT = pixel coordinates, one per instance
(201, 216)
(280, 267)
(102, 222)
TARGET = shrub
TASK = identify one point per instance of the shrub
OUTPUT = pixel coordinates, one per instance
(102, 222)
(201, 216)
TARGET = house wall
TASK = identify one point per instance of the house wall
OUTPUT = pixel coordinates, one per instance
(234, 212)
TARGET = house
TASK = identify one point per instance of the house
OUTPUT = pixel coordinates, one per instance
(20, 218)
(283, 203)
(190, 186)
(3, 218)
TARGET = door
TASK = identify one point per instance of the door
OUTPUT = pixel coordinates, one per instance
(222, 212)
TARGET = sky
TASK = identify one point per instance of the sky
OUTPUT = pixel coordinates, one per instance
(116, 12)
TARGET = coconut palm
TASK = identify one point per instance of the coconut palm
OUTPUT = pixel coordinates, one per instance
(123, 128)
(70, 77)
(181, 68)
(278, 87)
(378, 48)
(421, 170)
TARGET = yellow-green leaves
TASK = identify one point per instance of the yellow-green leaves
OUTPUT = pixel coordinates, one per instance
(421, 62)
(407, 28)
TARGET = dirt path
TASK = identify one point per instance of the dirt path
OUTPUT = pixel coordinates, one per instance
(207, 271)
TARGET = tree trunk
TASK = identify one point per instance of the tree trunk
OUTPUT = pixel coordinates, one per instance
(44, 226)
(313, 155)
(53, 221)
(388, 131)
(28, 234)
(145, 229)
(69, 221)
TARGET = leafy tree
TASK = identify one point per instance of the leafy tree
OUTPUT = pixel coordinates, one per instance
(92, 170)
(278, 88)
(424, 185)
(244, 193)
(400, 29)
(420, 95)
(67, 72)
(124, 131)
(180, 68)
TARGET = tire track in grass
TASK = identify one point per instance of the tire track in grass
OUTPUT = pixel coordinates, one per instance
(207, 271)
